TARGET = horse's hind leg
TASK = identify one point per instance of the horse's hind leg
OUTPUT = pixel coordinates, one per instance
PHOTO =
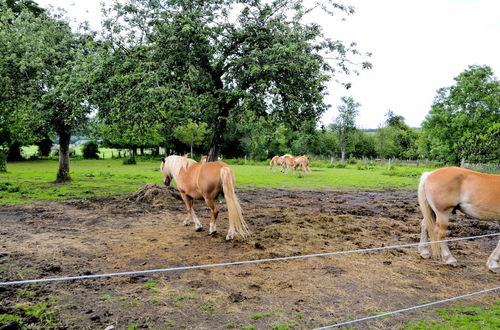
(424, 249)
(493, 260)
(441, 231)
(213, 216)
(188, 201)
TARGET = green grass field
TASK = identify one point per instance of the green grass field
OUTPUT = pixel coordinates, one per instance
(34, 180)
(462, 317)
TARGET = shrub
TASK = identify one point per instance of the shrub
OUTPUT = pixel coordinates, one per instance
(352, 160)
(90, 150)
(129, 161)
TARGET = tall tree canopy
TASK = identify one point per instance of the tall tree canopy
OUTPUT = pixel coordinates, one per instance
(345, 123)
(209, 59)
(44, 68)
(463, 123)
(395, 139)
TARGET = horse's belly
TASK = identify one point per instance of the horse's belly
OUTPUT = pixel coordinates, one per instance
(482, 212)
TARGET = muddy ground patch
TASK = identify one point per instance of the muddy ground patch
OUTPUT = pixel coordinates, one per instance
(145, 231)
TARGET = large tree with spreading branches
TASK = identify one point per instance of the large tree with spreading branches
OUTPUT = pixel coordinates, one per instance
(208, 60)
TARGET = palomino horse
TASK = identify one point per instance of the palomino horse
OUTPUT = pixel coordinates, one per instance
(276, 161)
(205, 181)
(303, 163)
(287, 162)
(447, 189)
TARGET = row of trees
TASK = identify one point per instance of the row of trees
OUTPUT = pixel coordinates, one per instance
(245, 77)
(158, 64)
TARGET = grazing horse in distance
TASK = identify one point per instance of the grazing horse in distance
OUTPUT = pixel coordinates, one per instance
(287, 162)
(205, 181)
(301, 162)
(276, 161)
(447, 189)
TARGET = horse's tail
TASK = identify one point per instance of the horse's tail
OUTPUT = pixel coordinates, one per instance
(428, 213)
(233, 206)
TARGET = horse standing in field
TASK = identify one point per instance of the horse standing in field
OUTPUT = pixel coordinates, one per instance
(287, 162)
(275, 161)
(447, 189)
(205, 181)
(301, 162)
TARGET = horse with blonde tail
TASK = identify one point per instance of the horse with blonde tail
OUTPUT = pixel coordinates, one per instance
(205, 181)
(447, 189)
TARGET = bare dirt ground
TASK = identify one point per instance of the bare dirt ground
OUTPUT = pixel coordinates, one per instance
(145, 231)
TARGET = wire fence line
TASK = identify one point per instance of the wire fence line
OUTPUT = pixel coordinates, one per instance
(407, 309)
(141, 272)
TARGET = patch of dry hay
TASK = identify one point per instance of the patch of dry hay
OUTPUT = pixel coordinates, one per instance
(156, 195)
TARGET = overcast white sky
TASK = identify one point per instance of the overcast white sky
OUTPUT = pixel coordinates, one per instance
(417, 46)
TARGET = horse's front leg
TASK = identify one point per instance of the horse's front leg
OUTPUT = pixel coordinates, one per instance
(213, 215)
(441, 231)
(188, 201)
(493, 260)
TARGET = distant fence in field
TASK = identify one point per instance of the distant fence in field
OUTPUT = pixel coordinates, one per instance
(485, 168)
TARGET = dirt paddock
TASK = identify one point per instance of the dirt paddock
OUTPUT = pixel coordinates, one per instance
(145, 231)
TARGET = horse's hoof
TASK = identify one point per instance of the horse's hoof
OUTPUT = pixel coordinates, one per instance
(213, 233)
(228, 238)
(425, 254)
(199, 229)
(494, 267)
(452, 262)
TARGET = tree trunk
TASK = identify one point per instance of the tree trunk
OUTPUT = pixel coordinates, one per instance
(63, 173)
(220, 128)
(191, 154)
(342, 151)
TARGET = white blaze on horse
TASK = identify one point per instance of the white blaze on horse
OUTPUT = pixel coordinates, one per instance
(205, 181)
(445, 190)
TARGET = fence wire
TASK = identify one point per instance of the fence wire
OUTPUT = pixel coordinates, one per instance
(408, 309)
(141, 272)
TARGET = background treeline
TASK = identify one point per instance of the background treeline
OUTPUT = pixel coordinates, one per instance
(237, 78)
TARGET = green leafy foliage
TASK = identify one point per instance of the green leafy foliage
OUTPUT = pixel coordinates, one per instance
(207, 61)
(463, 123)
(345, 123)
(395, 139)
(191, 134)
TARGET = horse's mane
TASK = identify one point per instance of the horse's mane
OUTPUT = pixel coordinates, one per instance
(174, 164)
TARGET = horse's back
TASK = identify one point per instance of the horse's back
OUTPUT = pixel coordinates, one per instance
(474, 193)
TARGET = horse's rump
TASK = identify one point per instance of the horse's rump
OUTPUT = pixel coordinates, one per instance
(473, 193)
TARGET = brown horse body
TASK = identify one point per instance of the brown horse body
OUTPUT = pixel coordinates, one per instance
(291, 162)
(301, 162)
(205, 181)
(447, 189)
(275, 161)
